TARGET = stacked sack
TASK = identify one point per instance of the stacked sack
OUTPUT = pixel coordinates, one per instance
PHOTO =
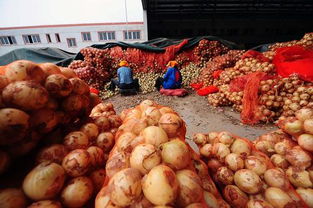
(69, 171)
(151, 165)
(245, 175)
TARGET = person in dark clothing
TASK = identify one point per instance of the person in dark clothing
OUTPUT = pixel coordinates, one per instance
(172, 78)
(124, 78)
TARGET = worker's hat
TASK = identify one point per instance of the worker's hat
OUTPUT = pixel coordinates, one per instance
(123, 63)
(172, 63)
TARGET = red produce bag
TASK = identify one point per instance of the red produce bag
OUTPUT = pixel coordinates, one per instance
(93, 90)
(256, 55)
(294, 60)
(196, 86)
(207, 90)
(174, 92)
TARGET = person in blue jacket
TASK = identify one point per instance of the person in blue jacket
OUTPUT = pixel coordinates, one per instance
(124, 78)
(172, 78)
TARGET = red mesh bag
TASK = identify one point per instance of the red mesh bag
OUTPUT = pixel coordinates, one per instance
(196, 86)
(294, 60)
(207, 90)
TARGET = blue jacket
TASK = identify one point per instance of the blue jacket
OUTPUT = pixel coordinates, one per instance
(172, 79)
(125, 75)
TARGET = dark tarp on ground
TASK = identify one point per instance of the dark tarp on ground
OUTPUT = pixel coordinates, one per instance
(39, 55)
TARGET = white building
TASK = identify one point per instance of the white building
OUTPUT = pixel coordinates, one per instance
(70, 37)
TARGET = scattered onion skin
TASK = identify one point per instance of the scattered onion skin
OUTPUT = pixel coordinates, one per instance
(275, 177)
(308, 126)
(297, 157)
(299, 177)
(278, 198)
(248, 181)
(235, 197)
(12, 198)
(306, 195)
(45, 204)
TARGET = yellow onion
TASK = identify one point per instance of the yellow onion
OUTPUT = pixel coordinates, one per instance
(258, 203)
(306, 195)
(14, 124)
(160, 185)
(44, 120)
(154, 135)
(152, 115)
(67, 72)
(45, 181)
(175, 154)
(50, 68)
(234, 162)
(123, 143)
(214, 164)
(200, 139)
(91, 131)
(134, 125)
(103, 199)
(125, 187)
(212, 136)
(164, 110)
(24, 70)
(144, 157)
(224, 176)
(105, 141)
(25, 146)
(58, 85)
(77, 162)
(136, 141)
(3, 81)
(4, 161)
(115, 121)
(206, 150)
(117, 162)
(255, 164)
(304, 114)
(265, 147)
(292, 126)
(12, 198)
(98, 177)
(145, 104)
(240, 147)
(195, 205)
(171, 123)
(220, 151)
(210, 200)
(54, 153)
(96, 156)
(308, 126)
(79, 86)
(298, 157)
(282, 147)
(102, 122)
(190, 190)
(77, 192)
(45, 204)
(132, 114)
(279, 161)
(225, 138)
(278, 198)
(275, 178)
(248, 181)
(142, 202)
(306, 142)
(299, 177)
(234, 196)
(76, 140)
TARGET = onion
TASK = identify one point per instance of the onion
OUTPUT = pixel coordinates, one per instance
(132, 114)
(160, 185)
(224, 175)
(275, 178)
(298, 157)
(12, 198)
(94, 99)
(54, 153)
(195, 205)
(50, 68)
(45, 204)
(134, 125)
(206, 150)
(4, 161)
(240, 147)
(52, 103)
(145, 104)
(293, 126)
(103, 199)
(73, 103)
(175, 154)
(282, 147)
(278, 198)
(77, 162)
(98, 178)
(234, 161)
(79, 86)
(58, 85)
(279, 161)
(258, 203)
(299, 177)
(225, 138)
(171, 123)
(200, 167)
(190, 190)
(45, 120)
(304, 114)
(144, 157)
(125, 187)
(154, 135)
(91, 131)
(164, 110)
(306, 195)
(67, 72)
(214, 164)
(77, 192)
(103, 123)
(306, 142)
(3, 81)
(308, 126)
(123, 143)
(143, 202)
(210, 200)
(265, 147)
(76, 140)
(24, 70)
(248, 181)
(14, 124)
(105, 141)
(234, 196)
(220, 151)
(152, 115)
(96, 156)
(115, 121)
(26, 95)
(45, 181)
(117, 162)
(200, 139)
(255, 164)
(212, 136)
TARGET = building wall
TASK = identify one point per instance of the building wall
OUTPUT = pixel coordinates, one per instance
(71, 31)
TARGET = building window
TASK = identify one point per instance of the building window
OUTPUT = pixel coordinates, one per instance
(71, 42)
(57, 37)
(48, 38)
(31, 39)
(86, 36)
(131, 35)
(7, 40)
(106, 35)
